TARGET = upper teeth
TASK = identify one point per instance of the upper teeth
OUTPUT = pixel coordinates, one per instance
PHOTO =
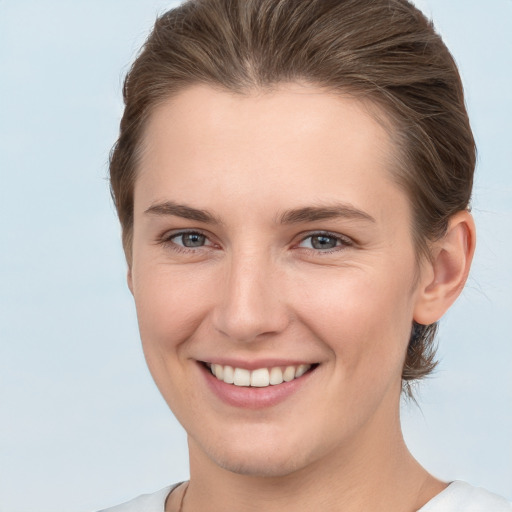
(261, 377)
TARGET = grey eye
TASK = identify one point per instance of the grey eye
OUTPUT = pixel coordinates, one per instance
(320, 242)
(190, 240)
(323, 242)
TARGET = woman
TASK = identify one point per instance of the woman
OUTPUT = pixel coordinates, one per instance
(293, 183)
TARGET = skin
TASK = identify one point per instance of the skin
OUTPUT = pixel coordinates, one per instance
(258, 288)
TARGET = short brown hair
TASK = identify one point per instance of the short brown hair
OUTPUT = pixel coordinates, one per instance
(384, 51)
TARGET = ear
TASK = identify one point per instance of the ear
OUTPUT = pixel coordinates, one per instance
(443, 277)
(129, 279)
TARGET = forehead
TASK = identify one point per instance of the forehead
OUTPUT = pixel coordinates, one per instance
(295, 142)
(240, 117)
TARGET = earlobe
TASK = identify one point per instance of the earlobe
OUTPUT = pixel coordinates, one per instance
(448, 270)
(129, 279)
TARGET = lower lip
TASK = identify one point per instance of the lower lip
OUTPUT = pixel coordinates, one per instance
(249, 397)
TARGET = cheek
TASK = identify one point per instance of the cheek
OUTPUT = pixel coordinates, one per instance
(170, 309)
(364, 317)
(171, 304)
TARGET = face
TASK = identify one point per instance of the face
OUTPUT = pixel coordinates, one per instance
(270, 241)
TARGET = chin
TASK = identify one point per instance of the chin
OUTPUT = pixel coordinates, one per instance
(270, 466)
(255, 458)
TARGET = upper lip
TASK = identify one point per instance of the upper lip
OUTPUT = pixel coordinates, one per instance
(254, 364)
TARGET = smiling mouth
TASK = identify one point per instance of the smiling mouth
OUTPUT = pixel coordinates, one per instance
(259, 378)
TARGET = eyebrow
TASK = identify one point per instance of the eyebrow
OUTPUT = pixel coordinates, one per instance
(314, 213)
(294, 216)
(183, 211)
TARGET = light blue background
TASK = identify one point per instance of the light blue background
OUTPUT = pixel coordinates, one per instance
(82, 426)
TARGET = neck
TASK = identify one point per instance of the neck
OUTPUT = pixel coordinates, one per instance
(364, 474)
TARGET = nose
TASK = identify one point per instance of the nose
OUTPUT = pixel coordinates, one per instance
(251, 303)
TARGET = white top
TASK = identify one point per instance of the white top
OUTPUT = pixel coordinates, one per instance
(457, 497)
(146, 503)
(462, 497)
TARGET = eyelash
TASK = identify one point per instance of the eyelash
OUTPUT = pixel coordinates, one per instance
(168, 240)
(343, 241)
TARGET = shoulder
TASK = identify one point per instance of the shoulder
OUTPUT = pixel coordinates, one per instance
(154, 502)
(463, 497)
